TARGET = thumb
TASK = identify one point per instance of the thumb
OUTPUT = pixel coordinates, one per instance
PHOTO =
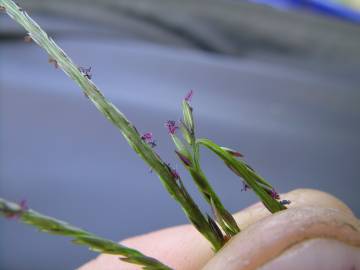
(301, 237)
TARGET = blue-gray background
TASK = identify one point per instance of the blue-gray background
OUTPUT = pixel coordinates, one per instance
(294, 116)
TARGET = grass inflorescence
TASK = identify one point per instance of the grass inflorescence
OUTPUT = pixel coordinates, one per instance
(81, 237)
(217, 229)
(128, 130)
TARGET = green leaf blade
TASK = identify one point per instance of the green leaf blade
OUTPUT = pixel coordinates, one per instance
(249, 176)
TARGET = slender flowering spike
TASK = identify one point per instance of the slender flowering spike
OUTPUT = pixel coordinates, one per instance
(189, 96)
(183, 158)
(53, 61)
(81, 237)
(117, 118)
(171, 126)
(86, 72)
(27, 38)
(285, 202)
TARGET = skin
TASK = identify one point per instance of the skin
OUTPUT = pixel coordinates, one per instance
(318, 231)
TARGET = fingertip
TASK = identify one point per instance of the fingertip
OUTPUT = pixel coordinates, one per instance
(302, 197)
(269, 237)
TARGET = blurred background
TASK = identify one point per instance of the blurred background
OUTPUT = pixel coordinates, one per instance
(277, 80)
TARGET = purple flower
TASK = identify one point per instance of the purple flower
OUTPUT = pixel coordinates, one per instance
(149, 139)
(285, 202)
(148, 136)
(273, 194)
(189, 95)
(171, 126)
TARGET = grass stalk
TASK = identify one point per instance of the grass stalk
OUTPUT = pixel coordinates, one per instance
(81, 237)
(128, 130)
